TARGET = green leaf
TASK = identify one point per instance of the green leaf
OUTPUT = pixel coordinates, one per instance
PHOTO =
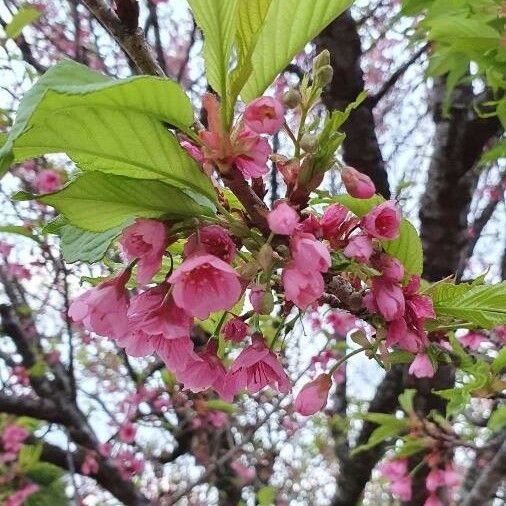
(407, 247)
(220, 405)
(19, 230)
(25, 16)
(97, 202)
(457, 399)
(29, 455)
(406, 400)
(79, 245)
(380, 418)
(499, 362)
(44, 473)
(410, 446)
(266, 496)
(497, 420)
(482, 305)
(288, 26)
(217, 18)
(382, 433)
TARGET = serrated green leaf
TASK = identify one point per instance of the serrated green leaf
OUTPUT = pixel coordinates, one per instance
(410, 446)
(466, 362)
(457, 399)
(382, 433)
(483, 305)
(288, 26)
(407, 247)
(217, 18)
(25, 16)
(220, 405)
(406, 400)
(97, 202)
(44, 473)
(29, 456)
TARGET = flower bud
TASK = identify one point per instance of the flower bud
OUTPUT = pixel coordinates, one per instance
(249, 270)
(321, 60)
(313, 396)
(324, 76)
(264, 257)
(292, 98)
(357, 184)
(309, 142)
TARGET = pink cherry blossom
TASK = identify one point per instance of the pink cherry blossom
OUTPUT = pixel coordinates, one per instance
(283, 219)
(401, 488)
(253, 154)
(127, 433)
(103, 308)
(217, 419)
(357, 184)
(20, 496)
(332, 219)
(360, 248)
(309, 254)
(48, 181)
(313, 395)
(19, 272)
(265, 115)
(12, 439)
(451, 477)
(255, 368)
(383, 221)
(246, 474)
(342, 322)
(5, 249)
(213, 240)
(235, 330)
(311, 225)
(435, 479)
(399, 333)
(90, 465)
(145, 240)
(392, 269)
(421, 367)
(388, 298)
(433, 500)
(204, 370)
(394, 468)
(256, 297)
(204, 284)
(301, 288)
(472, 340)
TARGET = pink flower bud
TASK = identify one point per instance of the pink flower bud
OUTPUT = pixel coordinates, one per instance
(391, 268)
(193, 151)
(332, 219)
(389, 298)
(383, 221)
(309, 254)
(357, 184)
(283, 219)
(360, 248)
(301, 288)
(313, 396)
(421, 367)
(214, 240)
(235, 330)
(265, 115)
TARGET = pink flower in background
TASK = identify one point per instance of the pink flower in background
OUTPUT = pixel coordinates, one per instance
(256, 297)
(389, 298)
(360, 248)
(127, 433)
(5, 249)
(204, 284)
(255, 368)
(265, 115)
(283, 219)
(421, 367)
(472, 340)
(402, 488)
(357, 184)
(19, 272)
(235, 330)
(246, 474)
(500, 332)
(145, 240)
(213, 240)
(217, 419)
(383, 221)
(313, 395)
(128, 464)
(19, 497)
(301, 288)
(103, 308)
(12, 441)
(252, 154)
(342, 322)
(47, 181)
(396, 471)
(204, 370)
(309, 254)
(433, 500)
(90, 465)
(333, 217)
(435, 479)
(192, 150)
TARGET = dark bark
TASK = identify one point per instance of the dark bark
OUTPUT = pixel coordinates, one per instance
(360, 149)
(459, 141)
(355, 471)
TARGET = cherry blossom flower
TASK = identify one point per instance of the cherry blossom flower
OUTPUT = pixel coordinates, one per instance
(332, 220)
(204, 284)
(20, 496)
(301, 288)
(48, 181)
(283, 219)
(388, 298)
(309, 254)
(360, 248)
(235, 330)
(421, 367)
(383, 221)
(253, 152)
(212, 240)
(265, 115)
(145, 240)
(472, 340)
(357, 184)
(127, 433)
